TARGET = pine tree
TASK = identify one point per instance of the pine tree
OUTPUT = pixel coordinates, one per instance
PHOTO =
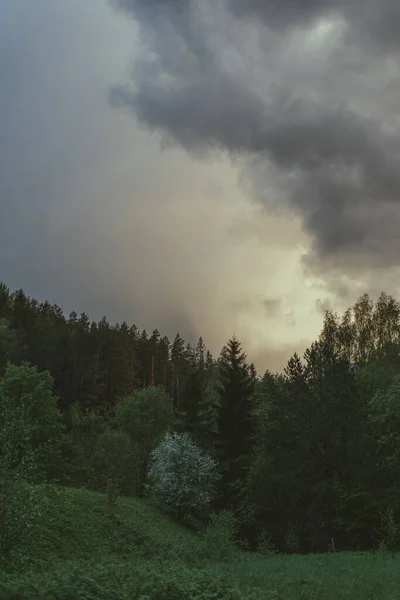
(178, 362)
(192, 392)
(165, 363)
(198, 415)
(200, 353)
(127, 370)
(9, 346)
(209, 363)
(5, 302)
(208, 411)
(144, 357)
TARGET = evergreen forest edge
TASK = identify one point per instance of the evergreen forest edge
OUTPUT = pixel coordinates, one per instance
(305, 457)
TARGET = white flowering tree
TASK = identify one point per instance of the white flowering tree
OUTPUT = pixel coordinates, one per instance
(182, 475)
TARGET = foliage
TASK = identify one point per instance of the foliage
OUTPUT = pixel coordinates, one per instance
(46, 523)
(388, 534)
(292, 542)
(83, 454)
(79, 554)
(31, 430)
(220, 536)
(144, 417)
(307, 455)
(182, 475)
(384, 416)
(112, 458)
(27, 517)
(112, 495)
(126, 581)
(234, 386)
(334, 577)
(200, 406)
(10, 350)
(265, 544)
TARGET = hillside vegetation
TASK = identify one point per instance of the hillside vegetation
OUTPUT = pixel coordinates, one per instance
(133, 467)
(78, 547)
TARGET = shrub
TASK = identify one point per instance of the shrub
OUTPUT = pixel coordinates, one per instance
(265, 544)
(112, 459)
(86, 457)
(219, 537)
(388, 534)
(182, 475)
(124, 582)
(292, 542)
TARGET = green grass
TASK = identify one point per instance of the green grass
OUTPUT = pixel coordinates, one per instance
(74, 549)
(75, 524)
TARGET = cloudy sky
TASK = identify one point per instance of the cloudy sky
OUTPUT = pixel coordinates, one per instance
(207, 166)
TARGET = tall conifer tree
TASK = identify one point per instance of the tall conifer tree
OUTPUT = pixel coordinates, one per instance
(235, 386)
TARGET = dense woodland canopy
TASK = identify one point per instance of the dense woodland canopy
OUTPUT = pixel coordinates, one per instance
(304, 456)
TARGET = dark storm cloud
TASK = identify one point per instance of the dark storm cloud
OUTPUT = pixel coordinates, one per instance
(96, 218)
(283, 13)
(93, 216)
(84, 221)
(326, 129)
(372, 20)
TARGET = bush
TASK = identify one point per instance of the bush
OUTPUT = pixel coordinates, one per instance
(388, 534)
(265, 544)
(220, 535)
(292, 542)
(112, 459)
(124, 582)
(83, 452)
(182, 475)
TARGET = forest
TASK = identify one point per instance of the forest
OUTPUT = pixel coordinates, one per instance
(308, 459)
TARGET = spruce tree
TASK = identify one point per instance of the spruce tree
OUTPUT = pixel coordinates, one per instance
(198, 416)
(178, 363)
(235, 386)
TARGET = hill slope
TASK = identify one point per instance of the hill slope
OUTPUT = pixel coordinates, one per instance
(68, 546)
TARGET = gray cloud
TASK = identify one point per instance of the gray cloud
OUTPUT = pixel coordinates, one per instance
(326, 125)
(284, 13)
(322, 305)
(96, 216)
(372, 20)
(274, 358)
(272, 306)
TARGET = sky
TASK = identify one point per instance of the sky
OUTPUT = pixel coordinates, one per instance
(203, 166)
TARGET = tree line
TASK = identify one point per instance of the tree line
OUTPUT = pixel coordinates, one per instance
(307, 459)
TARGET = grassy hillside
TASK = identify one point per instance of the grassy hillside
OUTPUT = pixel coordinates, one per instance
(76, 524)
(68, 546)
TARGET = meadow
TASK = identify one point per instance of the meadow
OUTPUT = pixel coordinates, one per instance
(74, 544)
